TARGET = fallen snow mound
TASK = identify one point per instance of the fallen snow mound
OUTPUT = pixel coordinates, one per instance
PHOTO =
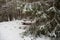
(10, 31)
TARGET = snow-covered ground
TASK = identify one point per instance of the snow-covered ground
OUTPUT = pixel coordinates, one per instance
(10, 31)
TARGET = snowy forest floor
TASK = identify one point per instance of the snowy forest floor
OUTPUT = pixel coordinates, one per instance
(10, 31)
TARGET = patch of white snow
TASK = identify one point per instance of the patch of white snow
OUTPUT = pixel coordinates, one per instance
(10, 31)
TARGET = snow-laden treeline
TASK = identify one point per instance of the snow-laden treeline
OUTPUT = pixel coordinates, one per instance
(45, 13)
